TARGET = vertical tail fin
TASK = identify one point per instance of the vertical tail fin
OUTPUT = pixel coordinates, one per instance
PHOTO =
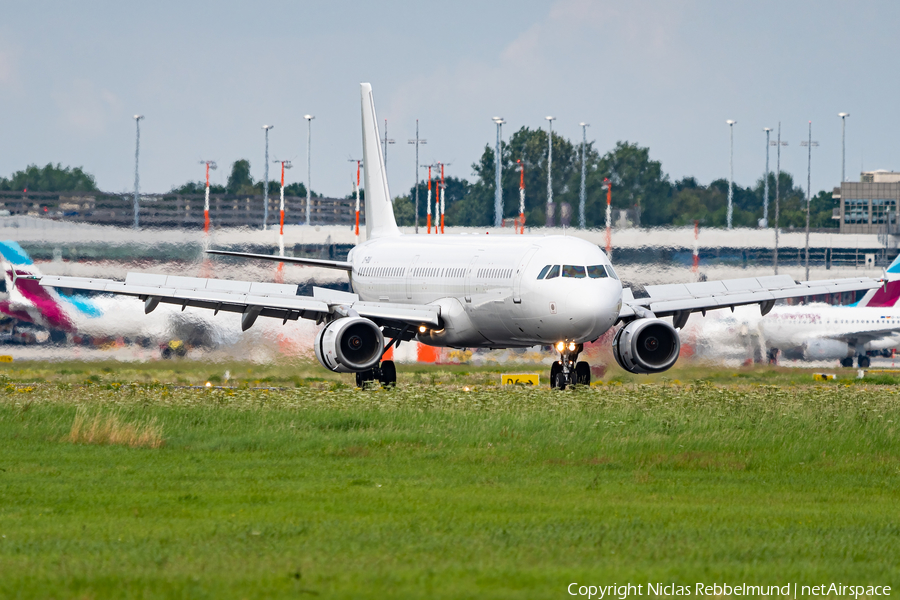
(893, 271)
(379, 210)
(28, 301)
(889, 293)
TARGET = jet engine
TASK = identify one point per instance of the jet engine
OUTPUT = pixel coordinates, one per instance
(646, 346)
(349, 345)
(819, 349)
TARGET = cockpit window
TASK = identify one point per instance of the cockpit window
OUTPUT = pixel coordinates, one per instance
(574, 271)
(597, 271)
(554, 272)
(544, 271)
(612, 272)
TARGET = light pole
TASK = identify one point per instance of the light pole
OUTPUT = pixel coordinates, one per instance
(443, 195)
(549, 170)
(521, 170)
(809, 144)
(266, 181)
(210, 164)
(309, 119)
(765, 219)
(778, 145)
(137, 178)
(731, 123)
(417, 141)
(386, 141)
(428, 201)
(843, 117)
(581, 192)
(285, 164)
(607, 185)
(498, 187)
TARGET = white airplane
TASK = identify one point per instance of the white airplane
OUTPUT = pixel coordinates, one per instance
(822, 331)
(485, 291)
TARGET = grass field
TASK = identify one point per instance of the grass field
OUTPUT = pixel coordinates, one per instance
(153, 489)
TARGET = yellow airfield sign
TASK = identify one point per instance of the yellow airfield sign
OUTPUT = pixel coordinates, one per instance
(529, 379)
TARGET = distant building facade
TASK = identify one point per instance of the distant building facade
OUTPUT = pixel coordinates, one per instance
(870, 205)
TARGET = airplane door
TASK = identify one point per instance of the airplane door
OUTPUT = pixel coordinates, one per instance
(409, 275)
(470, 278)
(520, 272)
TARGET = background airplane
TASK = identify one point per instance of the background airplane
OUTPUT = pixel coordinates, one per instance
(818, 331)
(36, 313)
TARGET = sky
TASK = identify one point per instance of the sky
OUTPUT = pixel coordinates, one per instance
(664, 74)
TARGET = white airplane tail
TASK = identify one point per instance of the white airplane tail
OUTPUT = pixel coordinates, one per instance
(380, 220)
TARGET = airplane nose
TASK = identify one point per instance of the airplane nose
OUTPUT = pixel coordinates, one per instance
(593, 311)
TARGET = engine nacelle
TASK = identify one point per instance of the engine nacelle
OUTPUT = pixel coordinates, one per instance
(349, 345)
(818, 349)
(646, 346)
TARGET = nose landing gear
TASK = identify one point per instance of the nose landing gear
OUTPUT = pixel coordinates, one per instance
(568, 370)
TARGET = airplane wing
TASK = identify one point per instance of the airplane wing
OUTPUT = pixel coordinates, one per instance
(681, 299)
(859, 338)
(256, 299)
(309, 262)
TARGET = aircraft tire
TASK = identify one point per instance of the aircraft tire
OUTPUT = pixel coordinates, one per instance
(583, 373)
(863, 362)
(363, 377)
(388, 374)
(555, 369)
(561, 381)
(847, 362)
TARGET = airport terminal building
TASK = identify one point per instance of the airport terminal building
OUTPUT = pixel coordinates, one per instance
(870, 206)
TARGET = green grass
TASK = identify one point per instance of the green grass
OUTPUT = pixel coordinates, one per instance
(429, 491)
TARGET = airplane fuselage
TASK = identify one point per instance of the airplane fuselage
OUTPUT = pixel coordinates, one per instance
(489, 289)
(791, 326)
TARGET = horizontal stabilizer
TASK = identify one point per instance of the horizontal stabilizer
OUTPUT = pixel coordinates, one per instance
(309, 262)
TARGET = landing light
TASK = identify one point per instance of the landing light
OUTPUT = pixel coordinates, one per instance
(571, 346)
(422, 329)
(560, 346)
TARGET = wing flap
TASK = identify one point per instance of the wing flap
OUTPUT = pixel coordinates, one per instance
(410, 313)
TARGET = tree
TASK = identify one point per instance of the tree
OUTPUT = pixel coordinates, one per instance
(198, 187)
(404, 210)
(637, 182)
(49, 178)
(240, 181)
(458, 203)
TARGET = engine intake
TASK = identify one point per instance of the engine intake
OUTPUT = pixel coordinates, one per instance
(646, 346)
(349, 345)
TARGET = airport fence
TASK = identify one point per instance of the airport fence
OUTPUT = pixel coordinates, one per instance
(177, 210)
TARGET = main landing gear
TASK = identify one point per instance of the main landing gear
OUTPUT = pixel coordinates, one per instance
(862, 361)
(568, 370)
(386, 374)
